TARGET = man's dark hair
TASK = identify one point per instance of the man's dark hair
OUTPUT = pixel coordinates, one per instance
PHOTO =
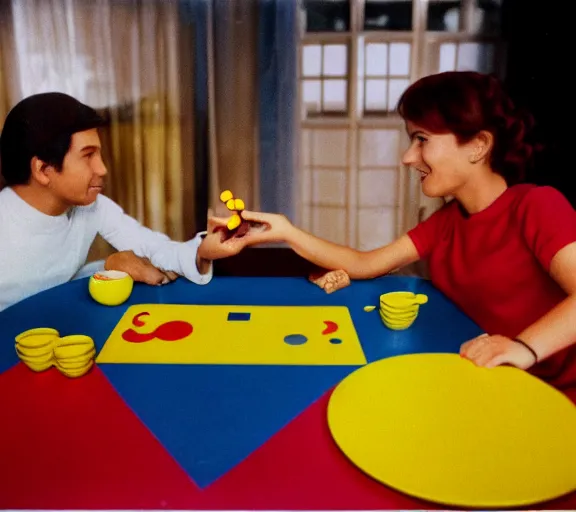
(41, 126)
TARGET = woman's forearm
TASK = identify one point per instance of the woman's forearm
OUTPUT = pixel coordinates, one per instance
(357, 264)
(554, 331)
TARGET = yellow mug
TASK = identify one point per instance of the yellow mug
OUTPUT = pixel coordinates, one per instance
(110, 287)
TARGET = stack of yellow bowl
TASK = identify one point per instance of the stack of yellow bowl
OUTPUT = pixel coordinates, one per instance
(39, 349)
(34, 348)
(398, 310)
(74, 354)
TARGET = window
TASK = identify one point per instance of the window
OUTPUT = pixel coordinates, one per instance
(325, 79)
(357, 58)
(383, 75)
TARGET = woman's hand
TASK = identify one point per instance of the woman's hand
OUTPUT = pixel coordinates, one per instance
(491, 351)
(269, 227)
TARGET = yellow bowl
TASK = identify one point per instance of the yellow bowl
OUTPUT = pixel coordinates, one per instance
(74, 347)
(403, 300)
(76, 372)
(110, 287)
(399, 313)
(400, 326)
(38, 367)
(34, 353)
(37, 338)
(397, 324)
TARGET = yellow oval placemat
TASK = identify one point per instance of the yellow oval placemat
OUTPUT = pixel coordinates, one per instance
(437, 427)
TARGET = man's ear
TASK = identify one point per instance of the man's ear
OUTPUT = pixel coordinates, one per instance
(40, 171)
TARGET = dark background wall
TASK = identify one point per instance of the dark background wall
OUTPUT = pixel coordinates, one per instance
(541, 38)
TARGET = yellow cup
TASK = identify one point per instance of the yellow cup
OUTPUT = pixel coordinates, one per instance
(403, 300)
(110, 287)
(399, 310)
(398, 325)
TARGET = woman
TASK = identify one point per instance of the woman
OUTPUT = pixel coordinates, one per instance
(504, 252)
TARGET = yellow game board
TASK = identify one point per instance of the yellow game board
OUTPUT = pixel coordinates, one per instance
(283, 335)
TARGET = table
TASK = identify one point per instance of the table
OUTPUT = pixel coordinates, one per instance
(201, 437)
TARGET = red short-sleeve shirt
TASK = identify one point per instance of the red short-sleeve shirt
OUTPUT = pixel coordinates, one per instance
(495, 264)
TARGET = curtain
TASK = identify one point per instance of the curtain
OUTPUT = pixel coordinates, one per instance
(278, 121)
(9, 92)
(245, 101)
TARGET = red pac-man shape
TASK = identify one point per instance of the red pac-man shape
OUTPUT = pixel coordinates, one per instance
(136, 320)
(330, 327)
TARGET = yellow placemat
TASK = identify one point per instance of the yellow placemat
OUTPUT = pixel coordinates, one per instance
(286, 335)
(436, 427)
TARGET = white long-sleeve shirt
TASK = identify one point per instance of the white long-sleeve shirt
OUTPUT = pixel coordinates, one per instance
(39, 251)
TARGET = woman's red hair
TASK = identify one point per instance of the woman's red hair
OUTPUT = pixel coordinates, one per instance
(465, 103)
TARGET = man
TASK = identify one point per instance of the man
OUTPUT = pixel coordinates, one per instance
(52, 209)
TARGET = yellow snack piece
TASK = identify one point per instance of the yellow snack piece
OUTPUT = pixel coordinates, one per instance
(238, 204)
(234, 222)
(226, 196)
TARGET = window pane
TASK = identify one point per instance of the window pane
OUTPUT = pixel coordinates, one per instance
(335, 95)
(335, 60)
(377, 59)
(329, 223)
(376, 227)
(329, 187)
(376, 95)
(311, 60)
(395, 89)
(330, 148)
(326, 15)
(488, 16)
(447, 57)
(311, 95)
(378, 187)
(400, 59)
(444, 15)
(379, 148)
(476, 57)
(388, 15)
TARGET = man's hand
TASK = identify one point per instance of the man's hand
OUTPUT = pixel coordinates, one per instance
(140, 269)
(491, 351)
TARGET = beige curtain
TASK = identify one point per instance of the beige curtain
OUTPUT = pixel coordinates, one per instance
(9, 83)
(129, 60)
(233, 109)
